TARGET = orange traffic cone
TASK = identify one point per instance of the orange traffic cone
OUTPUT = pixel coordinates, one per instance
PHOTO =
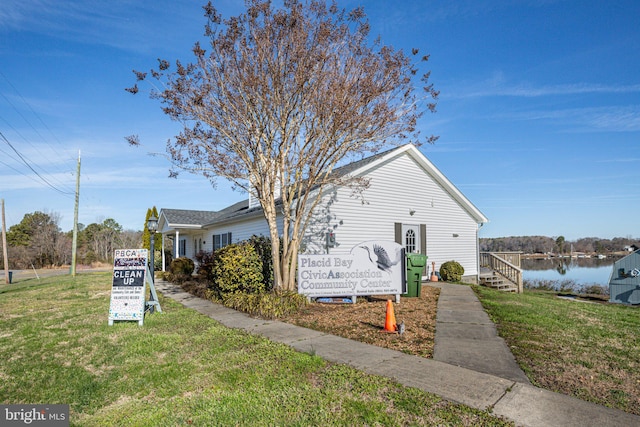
(390, 321)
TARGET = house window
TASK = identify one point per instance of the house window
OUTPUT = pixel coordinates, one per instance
(410, 241)
(221, 240)
(197, 245)
(182, 247)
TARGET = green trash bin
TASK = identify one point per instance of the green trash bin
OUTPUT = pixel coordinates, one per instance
(415, 266)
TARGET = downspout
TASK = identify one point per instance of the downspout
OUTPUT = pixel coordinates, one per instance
(478, 252)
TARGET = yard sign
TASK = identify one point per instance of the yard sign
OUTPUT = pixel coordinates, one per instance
(129, 285)
(371, 268)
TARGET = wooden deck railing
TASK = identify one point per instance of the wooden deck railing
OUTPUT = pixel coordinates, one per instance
(506, 264)
(514, 258)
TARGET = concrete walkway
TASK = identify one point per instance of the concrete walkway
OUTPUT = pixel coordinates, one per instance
(511, 398)
(466, 337)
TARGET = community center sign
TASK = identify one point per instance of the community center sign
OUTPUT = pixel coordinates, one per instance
(371, 268)
(129, 285)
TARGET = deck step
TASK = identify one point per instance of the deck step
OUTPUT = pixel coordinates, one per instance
(496, 282)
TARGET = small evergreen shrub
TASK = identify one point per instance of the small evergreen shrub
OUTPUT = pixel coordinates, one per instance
(237, 268)
(182, 265)
(262, 245)
(180, 269)
(451, 271)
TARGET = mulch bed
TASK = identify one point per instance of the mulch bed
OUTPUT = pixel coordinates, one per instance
(365, 321)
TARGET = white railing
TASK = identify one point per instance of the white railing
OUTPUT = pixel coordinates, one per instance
(505, 268)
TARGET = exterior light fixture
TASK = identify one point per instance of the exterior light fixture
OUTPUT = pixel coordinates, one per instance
(152, 224)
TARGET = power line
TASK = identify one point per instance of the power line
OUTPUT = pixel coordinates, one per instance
(53, 180)
(10, 155)
(21, 173)
(35, 114)
(32, 169)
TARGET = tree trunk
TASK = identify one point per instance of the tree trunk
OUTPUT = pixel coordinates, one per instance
(292, 263)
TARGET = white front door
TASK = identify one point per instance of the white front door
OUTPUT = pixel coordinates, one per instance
(411, 238)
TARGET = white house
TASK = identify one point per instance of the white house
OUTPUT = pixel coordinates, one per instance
(408, 201)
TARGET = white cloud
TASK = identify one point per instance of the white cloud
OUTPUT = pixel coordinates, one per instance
(587, 119)
(117, 23)
(496, 87)
(630, 159)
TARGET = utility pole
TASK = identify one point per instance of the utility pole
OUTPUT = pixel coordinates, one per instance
(74, 245)
(4, 247)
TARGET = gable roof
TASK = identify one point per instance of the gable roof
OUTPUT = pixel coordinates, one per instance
(358, 164)
(429, 167)
(183, 218)
(179, 218)
(240, 209)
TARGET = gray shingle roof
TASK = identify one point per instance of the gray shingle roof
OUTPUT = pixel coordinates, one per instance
(241, 209)
(188, 217)
(236, 210)
(355, 165)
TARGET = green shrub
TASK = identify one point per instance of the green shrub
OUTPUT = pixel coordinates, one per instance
(262, 245)
(180, 270)
(237, 268)
(206, 261)
(267, 305)
(182, 265)
(451, 271)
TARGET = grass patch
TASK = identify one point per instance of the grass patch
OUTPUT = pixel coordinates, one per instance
(587, 350)
(183, 368)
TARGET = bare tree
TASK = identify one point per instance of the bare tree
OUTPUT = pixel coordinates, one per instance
(281, 98)
(102, 239)
(131, 239)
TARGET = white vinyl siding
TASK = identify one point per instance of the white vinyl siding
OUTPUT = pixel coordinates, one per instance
(405, 188)
(241, 231)
(396, 188)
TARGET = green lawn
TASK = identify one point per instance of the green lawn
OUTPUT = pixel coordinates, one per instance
(182, 368)
(587, 350)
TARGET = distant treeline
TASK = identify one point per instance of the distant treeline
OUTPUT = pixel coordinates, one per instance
(37, 242)
(543, 244)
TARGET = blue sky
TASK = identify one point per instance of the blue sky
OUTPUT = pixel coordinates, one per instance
(538, 116)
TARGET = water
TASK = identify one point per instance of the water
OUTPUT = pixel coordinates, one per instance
(582, 271)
